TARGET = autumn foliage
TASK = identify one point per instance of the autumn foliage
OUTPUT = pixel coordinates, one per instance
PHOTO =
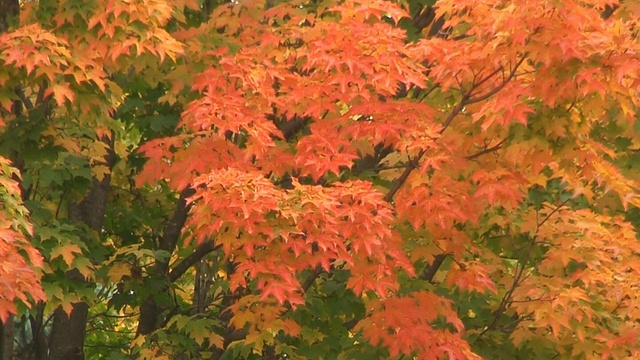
(340, 179)
(20, 261)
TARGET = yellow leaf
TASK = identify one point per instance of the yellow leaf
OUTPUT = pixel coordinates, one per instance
(539, 179)
(241, 318)
(393, 159)
(61, 92)
(364, 147)
(67, 307)
(520, 334)
(69, 144)
(97, 152)
(216, 340)
(138, 341)
(100, 171)
(199, 334)
(67, 252)
(311, 335)
(85, 267)
(391, 174)
(118, 271)
(257, 340)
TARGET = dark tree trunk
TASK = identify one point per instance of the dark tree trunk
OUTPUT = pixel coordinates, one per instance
(68, 331)
(39, 346)
(150, 310)
(9, 10)
(6, 339)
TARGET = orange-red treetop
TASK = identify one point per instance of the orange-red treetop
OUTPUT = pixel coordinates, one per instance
(504, 100)
(531, 78)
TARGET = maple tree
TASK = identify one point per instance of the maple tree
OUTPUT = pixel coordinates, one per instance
(319, 179)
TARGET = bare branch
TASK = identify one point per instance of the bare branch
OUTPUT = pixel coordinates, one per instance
(519, 275)
(184, 265)
(23, 97)
(495, 90)
(498, 146)
(430, 271)
(174, 227)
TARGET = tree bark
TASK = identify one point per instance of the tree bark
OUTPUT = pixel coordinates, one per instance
(608, 11)
(150, 310)
(68, 331)
(6, 339)
(8, 14)
(39, 343)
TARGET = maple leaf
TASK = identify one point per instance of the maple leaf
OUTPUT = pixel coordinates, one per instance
(496, 187)
(473, 278)
(119, 271)
(66, 251)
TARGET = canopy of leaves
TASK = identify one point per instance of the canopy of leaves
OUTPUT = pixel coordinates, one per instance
(320, 179)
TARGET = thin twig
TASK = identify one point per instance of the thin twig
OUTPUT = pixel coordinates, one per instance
(186, 263)
(518, 277)
(495, 90)
(466, 100)
(498, 146)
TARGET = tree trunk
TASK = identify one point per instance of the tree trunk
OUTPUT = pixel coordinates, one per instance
(150, 310)
(8, 14)
(67, 333)
(6, 339)
(39, 346)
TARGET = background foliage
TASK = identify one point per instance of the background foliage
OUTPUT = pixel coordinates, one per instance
(319, 179)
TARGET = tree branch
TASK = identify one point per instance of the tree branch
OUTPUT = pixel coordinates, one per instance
(430, 271)
(495, 90)
(23, 97)
(487, 150)
(306, 285)
(311, 279)
(456, 110)
(173, 230)
(608, 10)
(403, 177)
(184, 265)
(517, 278)
(423, 17)
(466, 99)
